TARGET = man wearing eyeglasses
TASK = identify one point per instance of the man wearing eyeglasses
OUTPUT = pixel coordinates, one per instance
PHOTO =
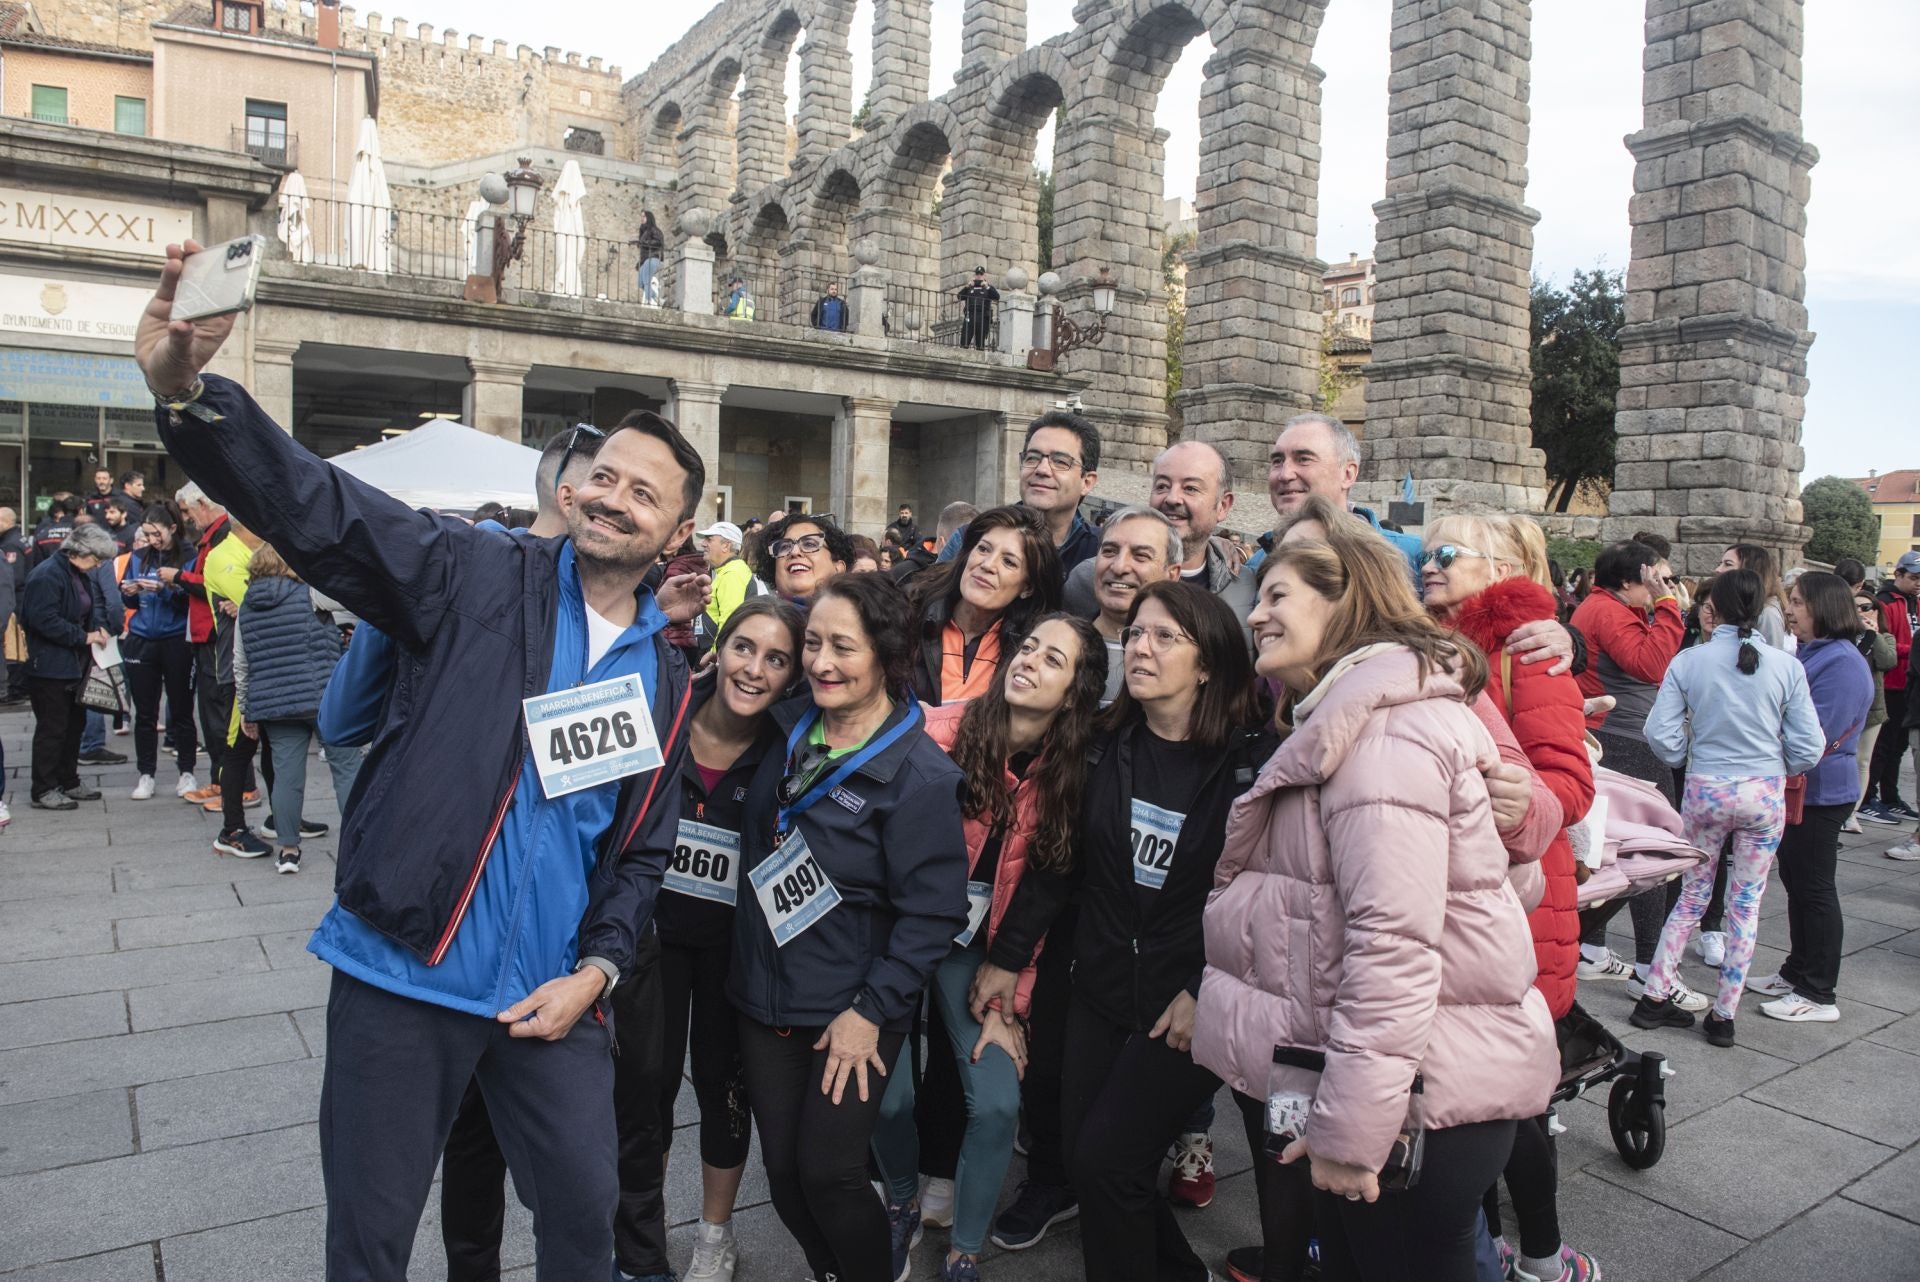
(1138, 546)
(505, 841)
(1059, 466)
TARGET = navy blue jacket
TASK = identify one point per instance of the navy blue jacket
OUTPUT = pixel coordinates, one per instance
(290, 649)
(473, 615)
(890, 840)
(57, 622)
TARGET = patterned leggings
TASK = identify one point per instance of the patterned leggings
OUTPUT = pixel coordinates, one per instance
(1752, 811)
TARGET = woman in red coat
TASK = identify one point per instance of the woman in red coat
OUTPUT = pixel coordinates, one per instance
(1486, 576)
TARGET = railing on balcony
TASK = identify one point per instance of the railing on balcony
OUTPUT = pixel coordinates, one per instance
(276, 151)
(801, 291)
(937, 317)
(757, 290)
(48, 118)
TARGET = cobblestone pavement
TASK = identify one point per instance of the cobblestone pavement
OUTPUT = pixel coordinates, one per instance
(161, 1036)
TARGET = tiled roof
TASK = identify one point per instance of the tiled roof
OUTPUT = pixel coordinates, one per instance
(1902, 486)
(201, 16)
(12, 16)
(40, 40)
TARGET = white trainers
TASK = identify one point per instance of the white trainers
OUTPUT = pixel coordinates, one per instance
(714, 1253)
(1906, 851)
(186, 785)
(1795, 1009)
(143, 790)
(1712, 947)
(1680, 995)
(936, 1203)
(6, 816)
(1771, 985)
(1611, 967)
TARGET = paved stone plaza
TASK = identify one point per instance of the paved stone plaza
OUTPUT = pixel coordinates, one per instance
(161, 1034)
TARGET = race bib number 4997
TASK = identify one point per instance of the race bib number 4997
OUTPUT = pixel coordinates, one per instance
(591, 735)
(793, 890)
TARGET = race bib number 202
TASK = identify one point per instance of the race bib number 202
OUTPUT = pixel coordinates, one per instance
(1155, 830)
(591, 735)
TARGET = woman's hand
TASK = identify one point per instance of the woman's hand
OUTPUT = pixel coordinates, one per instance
(1510, 789)
(852, 1043)
(1355, 1183)
(1176, 1021)
(251, 729)
(991, 984)
(1005, 1032)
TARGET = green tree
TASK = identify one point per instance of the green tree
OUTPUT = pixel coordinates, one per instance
(1576, 378)
(1045, 215)
(1173, 278)
(1842, 519)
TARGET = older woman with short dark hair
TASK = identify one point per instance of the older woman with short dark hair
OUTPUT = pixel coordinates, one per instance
(64, 617)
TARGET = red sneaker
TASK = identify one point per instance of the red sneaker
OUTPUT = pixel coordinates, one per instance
(1192, 1182)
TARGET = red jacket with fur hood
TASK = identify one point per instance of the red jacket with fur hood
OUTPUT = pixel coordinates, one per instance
(1545, 715)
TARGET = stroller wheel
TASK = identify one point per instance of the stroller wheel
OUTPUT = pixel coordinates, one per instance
(1639, 1124)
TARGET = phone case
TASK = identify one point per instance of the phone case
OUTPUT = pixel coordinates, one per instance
(219, 279)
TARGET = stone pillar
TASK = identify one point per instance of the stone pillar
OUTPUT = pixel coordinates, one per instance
(695, 410)
(1253, 283)
(1449, 392)
(693, 264)
(1016, 313)
(271, 379)
(902, 40)
(991, 31)
(862, 442)
(705, 171)
(825, 118)
(989, 213)
(868, 297)
(761, 134)
(1713, 357)
(492, 401)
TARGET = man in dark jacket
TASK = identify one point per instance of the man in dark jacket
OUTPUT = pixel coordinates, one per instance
(830, 310)
(538, 723)
(977, 299)
(53, 528)
(65, 617)
(213, 697)
(1899, 601)
(13, 567)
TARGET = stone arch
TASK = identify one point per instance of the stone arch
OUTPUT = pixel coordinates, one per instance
(990, 208)
(761, 133)
(1020, 98)
(900, 185)
(661, 141)
(1145, 42)
(760, 237)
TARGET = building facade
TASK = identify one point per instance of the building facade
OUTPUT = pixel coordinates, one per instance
(1896, 505)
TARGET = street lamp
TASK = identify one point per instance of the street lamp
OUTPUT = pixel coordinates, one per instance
(1055, 335)
(512, 196)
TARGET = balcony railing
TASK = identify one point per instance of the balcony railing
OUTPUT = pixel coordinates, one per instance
(275, 153)
(48, 118)
(937, 317)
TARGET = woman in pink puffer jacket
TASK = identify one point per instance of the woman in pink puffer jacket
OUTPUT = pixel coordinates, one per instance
(1362, 913)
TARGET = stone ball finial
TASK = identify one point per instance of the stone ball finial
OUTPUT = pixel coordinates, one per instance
(1017, 278)
(866, 251)
(1050, 283)
(694, 223)
(493, 189)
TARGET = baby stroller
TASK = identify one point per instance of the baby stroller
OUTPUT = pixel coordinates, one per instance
(1631, 841)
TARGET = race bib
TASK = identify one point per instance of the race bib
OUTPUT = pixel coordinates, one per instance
(705, 864)
(979, 899)
(591, 735)
(1154, 833)
(793, 890)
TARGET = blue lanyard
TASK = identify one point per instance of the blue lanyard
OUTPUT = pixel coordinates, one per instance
(852, 762)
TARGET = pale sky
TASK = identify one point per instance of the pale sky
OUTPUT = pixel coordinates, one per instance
(1862, 100)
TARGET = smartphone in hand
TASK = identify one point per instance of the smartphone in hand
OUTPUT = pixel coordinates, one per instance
(220, 279)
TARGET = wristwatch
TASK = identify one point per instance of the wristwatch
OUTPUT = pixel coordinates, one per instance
(605, 967)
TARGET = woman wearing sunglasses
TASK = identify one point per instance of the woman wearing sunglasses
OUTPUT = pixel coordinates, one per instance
(1772, 626)
(1878, 648)
(978, 606)
(853, 886)
(799, 552)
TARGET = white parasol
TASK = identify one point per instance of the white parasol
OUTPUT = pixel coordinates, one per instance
(569, 229)
(369, 206)
(295, 228)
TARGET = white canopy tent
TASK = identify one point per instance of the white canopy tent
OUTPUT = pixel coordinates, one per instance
(447, 466)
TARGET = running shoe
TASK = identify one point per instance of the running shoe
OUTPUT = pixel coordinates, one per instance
(1575, 1266)
(250, 801)
(1770, 985)
(1661, 1013)
(309, 830)
(1712, 947)
(1718, 1028)
(903, 1234)
(143, 789)
(1852, 825)
(936, 1203)
(1680, 995)
(1505, 1250)
(1192, 1180)
(55, 800)
(1906, 851)
(1901, 810)
(1247, 1263)
(189, 789)
(1610, 967)
(6, 816)
(1795, 1009)
(1035, 1209)
(289, 862)
(1875, 813)
(715, 1254)
(82, 793)
(102, 757)
(241, 844)
(961, 1269)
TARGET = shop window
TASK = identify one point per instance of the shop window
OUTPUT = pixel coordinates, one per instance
(130, 116)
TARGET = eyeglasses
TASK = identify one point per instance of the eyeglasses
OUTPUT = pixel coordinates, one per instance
(1866, 607)
(1159, 640)
(587, 430)
(1670, 580)
(1446, 554)
(1032, 459)
(808, 543)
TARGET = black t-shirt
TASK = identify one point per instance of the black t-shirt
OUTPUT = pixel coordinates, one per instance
(1166, 777)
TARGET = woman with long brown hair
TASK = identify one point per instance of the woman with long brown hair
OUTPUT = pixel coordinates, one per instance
(978, 606)
(1022, 745)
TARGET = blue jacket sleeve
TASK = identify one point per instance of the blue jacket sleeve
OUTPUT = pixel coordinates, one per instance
(952, 549)
(350, 708)
(387, 563)
(1802, 737)
(926, 852)
(1666, 727)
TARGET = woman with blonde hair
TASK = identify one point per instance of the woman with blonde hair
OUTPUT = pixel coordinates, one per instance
(1369, 969)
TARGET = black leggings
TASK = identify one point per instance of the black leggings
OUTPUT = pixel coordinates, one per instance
(1046, 1052)
(154, 665)
(1533, 1182)
(1286, 1200)
(695, 982)
(1428, 1233)
(816, 1151)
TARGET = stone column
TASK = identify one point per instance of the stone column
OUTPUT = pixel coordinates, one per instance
(862, 441)
(989, 214)
(902, 40)
(695, 410)
(761, 134)
(493, 399)
(991, 31)
(825, 118)
(1449, 392)
(693, 264)
(868, 297)
(1713, 357)
(1016, 313)
(1253, 283)
(271, 379)
(705, 171)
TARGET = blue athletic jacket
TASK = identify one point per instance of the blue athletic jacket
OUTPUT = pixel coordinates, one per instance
(449, 856)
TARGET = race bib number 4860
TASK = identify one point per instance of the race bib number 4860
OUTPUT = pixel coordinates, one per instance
(1154, 832)
(793, 890)
(705, 864)
(591, 735)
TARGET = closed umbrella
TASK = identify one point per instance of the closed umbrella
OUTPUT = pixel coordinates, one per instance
(295, 227)
(470, 239)
(569, 229)
(369, 206)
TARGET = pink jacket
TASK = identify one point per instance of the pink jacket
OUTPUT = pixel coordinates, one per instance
(1361, 908)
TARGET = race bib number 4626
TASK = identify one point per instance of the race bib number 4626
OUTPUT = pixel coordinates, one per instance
(1154, 832)
(591, 735)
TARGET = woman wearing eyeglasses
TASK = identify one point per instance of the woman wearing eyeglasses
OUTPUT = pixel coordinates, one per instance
(1878, 648)
(1180, 742)
(853, 886)
(978, 606)
(799, 552)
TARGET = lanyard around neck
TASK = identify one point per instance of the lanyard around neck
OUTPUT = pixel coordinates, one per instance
(848, 765)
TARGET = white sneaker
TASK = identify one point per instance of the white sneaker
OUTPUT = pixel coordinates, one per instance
(714, 1253)
(143, 790)
(186, 785)
(1611, 967)
(1852, 825)
(1906, 851)
(1795, 1009)
(1680, 995)
(6, 816)
(1771, 985)
(1712, 947)
(936, 1203)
